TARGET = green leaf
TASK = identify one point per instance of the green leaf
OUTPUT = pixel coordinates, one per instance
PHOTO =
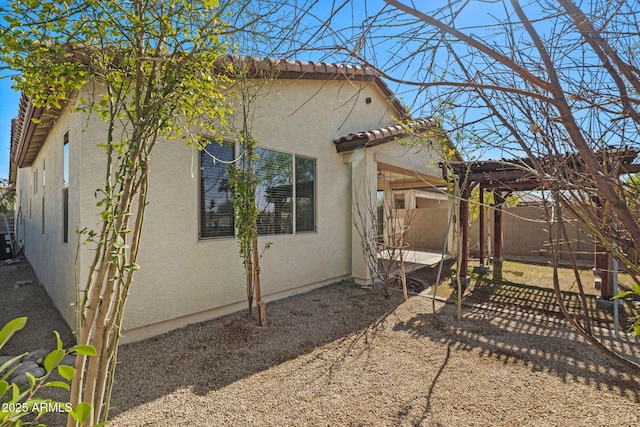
(66, 372)
(58, 340)
(58, 384)
(636, 288)
(53, 359)
(32, 380)
(81, 412)
(119, 242)
(84, 350)
(3, 387)
(15, 392)
(11, 328)
(10, 362)
(622, 294)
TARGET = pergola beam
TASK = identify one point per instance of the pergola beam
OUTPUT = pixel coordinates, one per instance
(503, 177)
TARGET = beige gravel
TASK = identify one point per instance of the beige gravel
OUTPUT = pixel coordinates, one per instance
(345, 356)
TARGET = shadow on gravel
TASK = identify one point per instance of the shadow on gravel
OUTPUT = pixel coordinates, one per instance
(542, 301)
(208, 356)
(543, 347)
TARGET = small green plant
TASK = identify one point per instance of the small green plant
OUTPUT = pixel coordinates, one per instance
(17, 403)
(635, 329)
(7, 198)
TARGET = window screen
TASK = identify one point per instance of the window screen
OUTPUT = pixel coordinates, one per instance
(274, 192)
(216, 207)
(285, 192)
(305, 194)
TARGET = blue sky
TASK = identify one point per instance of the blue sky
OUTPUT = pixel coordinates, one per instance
(8, 110)
(350, 18)
(353, 11)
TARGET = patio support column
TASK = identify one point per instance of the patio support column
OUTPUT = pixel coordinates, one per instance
(497, 235)
(602, 261)
(364, 186)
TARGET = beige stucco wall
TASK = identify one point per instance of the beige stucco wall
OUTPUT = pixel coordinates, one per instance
(52, 260)
(183, 279)
(399, 163)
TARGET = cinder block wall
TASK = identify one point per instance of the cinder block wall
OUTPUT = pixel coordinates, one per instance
(428, 228)
(525, 234)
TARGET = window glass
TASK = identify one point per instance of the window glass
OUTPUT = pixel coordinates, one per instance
(305, 194)
(65, 188)
(281, 179)
(65, 161)
(274, 192)
(216, 207)
(65, 215)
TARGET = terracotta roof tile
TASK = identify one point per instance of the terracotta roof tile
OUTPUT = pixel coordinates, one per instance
(378, 136)
(24, 149)
(303, 67)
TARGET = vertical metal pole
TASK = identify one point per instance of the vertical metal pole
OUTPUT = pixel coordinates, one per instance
(482, 237)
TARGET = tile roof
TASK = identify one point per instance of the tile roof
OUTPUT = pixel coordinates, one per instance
(27, 136)
(294, 69)
(378, 136)
(302, 67)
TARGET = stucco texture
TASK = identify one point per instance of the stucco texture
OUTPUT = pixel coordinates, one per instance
(184, 279)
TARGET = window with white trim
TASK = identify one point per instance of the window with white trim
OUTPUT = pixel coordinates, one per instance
(216, 207)
(285, 192)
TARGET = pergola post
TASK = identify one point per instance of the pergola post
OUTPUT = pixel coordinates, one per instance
(602, 262)
(497, 235)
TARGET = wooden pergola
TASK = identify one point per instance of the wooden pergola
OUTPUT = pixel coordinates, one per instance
(505, 177)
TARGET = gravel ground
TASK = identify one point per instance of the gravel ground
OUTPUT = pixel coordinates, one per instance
(31, 300)
(345, 356)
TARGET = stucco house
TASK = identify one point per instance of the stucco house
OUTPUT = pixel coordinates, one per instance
(334, 132)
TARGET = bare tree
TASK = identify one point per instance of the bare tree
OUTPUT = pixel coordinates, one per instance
(382, 231)
(555, 83)
(151, 71)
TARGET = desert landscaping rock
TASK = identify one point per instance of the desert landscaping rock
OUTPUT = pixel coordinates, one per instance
(5, 359)
(24, 282)
(22, 381)
(68, 360)
(27, 366)
(37, 356)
